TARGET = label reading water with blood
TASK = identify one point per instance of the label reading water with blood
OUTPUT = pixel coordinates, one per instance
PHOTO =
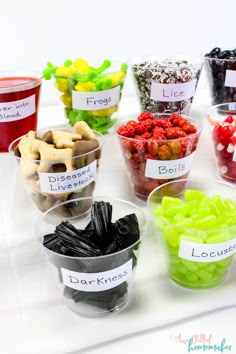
(96, 100)
(97, 281)
(16, 110)
(173, 92)
(168, 168)
(230, 78)
(64, 182)
(202, 252)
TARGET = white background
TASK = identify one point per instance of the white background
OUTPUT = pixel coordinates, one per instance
(34, 32)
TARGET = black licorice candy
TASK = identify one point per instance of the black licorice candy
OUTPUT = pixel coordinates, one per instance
(100, 237)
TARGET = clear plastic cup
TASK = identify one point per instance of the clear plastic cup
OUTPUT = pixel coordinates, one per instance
(57, 175)
(94, 286)
(221, 77)
(90, 93)
(166, 84)
(19, 100)
(224, 139)
(151, 163)
(197, 236)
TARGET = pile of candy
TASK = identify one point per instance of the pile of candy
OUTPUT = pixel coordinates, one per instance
(99, 238)
(201, 219)
(168, 71)
(151, 138)
(218, 62)
(224, 138)
(98, 106)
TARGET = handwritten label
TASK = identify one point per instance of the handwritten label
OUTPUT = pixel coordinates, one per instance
(202, 252)
(63, 182)
(234, 154)
(230, 78)
(172, 92)
(96, 100)
(16, 110)
(97, 281)
(166, 169)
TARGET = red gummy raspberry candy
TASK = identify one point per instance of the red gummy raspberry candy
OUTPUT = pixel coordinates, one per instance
(144, 116)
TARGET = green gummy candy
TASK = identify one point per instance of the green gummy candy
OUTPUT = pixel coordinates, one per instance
(193, 194)
(205, 222)
(204, 275)
(191, 266)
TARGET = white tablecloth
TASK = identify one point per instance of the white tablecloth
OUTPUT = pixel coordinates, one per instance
(33, 318)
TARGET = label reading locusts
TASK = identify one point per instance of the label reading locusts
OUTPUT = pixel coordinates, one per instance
(16, 110)
(173, 92)
(97, 281)
(64, 182)
(202, 252)
(96, 100)
(165, 169)
(230, 78)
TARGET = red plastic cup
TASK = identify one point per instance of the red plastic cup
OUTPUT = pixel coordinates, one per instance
(19, 99)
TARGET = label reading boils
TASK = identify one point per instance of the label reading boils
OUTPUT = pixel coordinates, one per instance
(95, 100)
(64, 182)
(165, 169)
(97, 281)
(202, 252)
(173, 92)
(16, 110)
(230, 78)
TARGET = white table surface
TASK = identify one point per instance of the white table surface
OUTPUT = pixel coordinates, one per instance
(113, 181)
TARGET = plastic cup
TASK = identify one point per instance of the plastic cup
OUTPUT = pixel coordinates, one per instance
(197, 236)
(94, 286)
(166, 85)
(150, 163)
(224, 139)
(19, 99)
(53, 180)
(89, 95)
(221, 77)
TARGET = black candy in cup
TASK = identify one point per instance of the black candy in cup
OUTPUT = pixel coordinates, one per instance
(95, 254)
(220, 66)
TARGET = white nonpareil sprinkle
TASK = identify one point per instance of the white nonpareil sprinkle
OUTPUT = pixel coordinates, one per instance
(230, 148)
(223, 169)
(219, 147)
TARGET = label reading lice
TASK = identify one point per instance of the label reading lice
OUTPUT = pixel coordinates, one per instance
(173, 92)
(230, 78)
(97, 281)
(16, 110)
(165, 169)
(63, 182)
(96, 100)
(202, 252)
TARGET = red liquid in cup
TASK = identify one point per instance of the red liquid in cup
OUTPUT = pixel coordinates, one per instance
(19, 98)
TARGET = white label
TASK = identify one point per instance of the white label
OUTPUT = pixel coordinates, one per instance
(96, 100)
(63, 182)
(166, 169)
(173, 92)
(234, 155)
(16, 110)
(97, 281)
(202, 252)
(230, 78)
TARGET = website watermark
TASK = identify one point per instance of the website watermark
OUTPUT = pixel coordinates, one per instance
(202, 343)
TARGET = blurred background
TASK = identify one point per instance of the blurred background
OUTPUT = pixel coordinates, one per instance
(34, 32)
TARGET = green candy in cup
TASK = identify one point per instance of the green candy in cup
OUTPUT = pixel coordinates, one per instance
(197, 230)
(89, 94)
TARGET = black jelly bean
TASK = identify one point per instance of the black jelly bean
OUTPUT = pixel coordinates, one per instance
(215, 51)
